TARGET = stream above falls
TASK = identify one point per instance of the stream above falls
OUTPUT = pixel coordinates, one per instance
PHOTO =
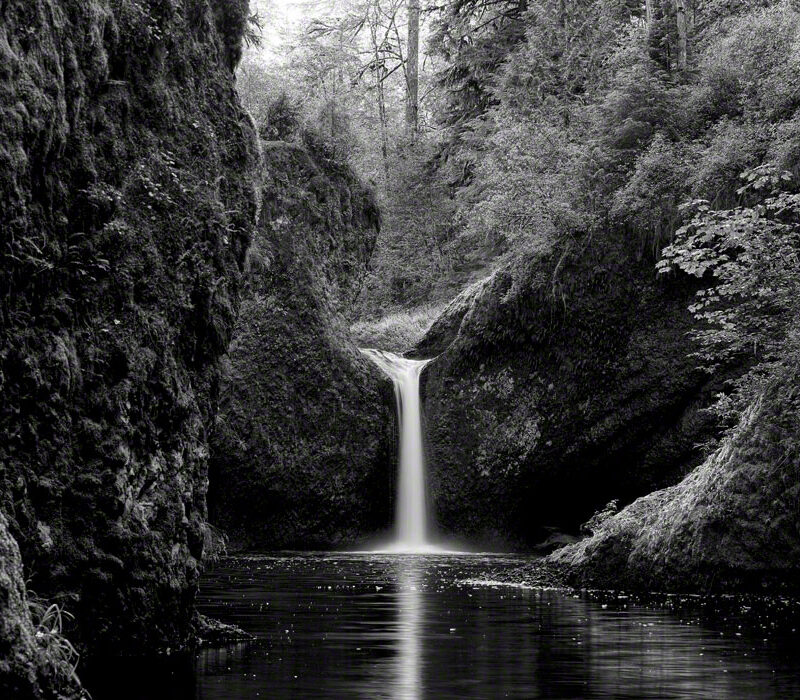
(366, 625)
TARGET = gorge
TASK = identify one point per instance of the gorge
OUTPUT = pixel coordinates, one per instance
(568, 236)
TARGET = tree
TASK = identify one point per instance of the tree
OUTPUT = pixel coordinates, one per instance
(412, 71)
(474, 37)
(370, 28)
(680, 22)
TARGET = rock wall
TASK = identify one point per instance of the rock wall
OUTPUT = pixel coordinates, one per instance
(302, 449)
(564, 381)
(732, 524)
(127, 201)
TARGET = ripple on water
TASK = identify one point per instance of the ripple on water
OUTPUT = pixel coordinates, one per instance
(384, 625)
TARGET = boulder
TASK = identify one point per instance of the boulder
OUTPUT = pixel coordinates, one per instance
(303, 445)
(565, 380)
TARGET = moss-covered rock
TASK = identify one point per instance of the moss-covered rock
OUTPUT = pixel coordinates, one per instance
(127, 201)
(733, 523)
(565, 381)
(302, 446)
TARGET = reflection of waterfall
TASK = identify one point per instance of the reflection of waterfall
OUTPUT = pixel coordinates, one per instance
(398, 672)
(408, 677)
(411, 516)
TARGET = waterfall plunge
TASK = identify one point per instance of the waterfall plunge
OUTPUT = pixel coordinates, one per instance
(411, 518)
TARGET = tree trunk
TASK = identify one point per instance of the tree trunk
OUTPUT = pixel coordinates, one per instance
(680, 16)
(384, 136)
(380, 70)
(412, 95)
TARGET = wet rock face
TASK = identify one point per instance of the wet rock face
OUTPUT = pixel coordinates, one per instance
(303, 448)
(566, 383)
(733, 523)
(127, 199)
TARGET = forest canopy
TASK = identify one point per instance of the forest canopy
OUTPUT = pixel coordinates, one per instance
(541, 123)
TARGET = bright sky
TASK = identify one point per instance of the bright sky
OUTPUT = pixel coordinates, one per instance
(291, 10)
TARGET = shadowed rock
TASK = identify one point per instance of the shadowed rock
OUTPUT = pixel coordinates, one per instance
(566, 380)
(302, 448)
(127, 201)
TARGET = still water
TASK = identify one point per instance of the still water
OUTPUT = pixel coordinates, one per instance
(419, 626)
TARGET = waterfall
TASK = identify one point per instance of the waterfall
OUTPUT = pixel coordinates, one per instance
(411, 517)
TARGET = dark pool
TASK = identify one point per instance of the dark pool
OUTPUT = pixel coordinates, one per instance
(402, 626)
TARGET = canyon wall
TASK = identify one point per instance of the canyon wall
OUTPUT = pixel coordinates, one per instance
(127, 200)
(303, 448)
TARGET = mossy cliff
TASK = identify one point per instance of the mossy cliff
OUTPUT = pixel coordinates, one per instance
(127, 201)
(302, 448)
(564, 381)
(732, 524)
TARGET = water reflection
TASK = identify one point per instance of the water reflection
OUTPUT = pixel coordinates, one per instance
(411, 612)
(333, 626)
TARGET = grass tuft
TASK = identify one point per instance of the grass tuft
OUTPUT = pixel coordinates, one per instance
(59, 655)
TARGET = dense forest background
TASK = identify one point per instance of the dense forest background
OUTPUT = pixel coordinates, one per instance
(550, 125)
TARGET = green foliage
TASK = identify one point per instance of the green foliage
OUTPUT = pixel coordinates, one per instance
(524, 193)
(588, 124)
(729, 147)
(640, 102)
(344, 71)
(474, 37)
(647, 204)
(763, 81)
(330, 135)
(254, 30)
(281, 119)
(414, 262)
(562, 56)
(560, 122)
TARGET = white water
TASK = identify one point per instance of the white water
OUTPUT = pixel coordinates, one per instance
(411, 518)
